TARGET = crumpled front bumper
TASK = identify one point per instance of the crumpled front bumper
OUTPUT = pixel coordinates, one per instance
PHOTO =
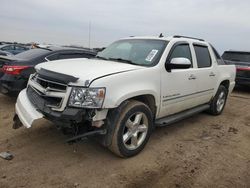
(31, 113)
(32, 110)
(26, 112)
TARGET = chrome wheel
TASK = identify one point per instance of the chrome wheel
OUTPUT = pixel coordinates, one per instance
(135, 131)
(221, 101)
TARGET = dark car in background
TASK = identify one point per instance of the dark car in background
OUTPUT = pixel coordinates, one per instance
(15, 70)
(242, 61)
(13, 48)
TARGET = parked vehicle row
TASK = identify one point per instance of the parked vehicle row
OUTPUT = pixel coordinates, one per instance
(128, 89)
(13, 48)
(242, 61)
(17, 69)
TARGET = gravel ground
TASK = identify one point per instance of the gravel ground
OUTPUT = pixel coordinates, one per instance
(202, 151)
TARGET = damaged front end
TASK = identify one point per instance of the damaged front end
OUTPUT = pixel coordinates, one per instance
(71, 109)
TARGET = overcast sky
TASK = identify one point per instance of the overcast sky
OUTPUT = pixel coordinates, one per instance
(224, 23)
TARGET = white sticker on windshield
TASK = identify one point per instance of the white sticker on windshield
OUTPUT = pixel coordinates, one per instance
(151, 55)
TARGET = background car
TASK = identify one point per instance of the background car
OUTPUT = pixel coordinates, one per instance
(15, 70)
(13, 48)
(242, 61)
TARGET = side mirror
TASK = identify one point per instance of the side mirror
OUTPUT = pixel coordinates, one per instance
(178, 63)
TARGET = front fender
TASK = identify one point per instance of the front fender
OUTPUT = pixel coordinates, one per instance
(126, 85)
(134, 94)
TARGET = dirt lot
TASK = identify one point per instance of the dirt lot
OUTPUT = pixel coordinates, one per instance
(202, 151)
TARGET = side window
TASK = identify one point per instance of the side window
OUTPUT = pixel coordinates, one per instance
(19, 48)
(203, 56)
(10, 47)
(52, 57)
(181, 50)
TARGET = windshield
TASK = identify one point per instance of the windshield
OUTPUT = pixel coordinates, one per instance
(145, 52)
(31, 54)
(237, 56)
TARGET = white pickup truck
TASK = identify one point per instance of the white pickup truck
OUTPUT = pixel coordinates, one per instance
(129, 88)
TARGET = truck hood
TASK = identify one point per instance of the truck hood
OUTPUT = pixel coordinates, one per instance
(87, 69)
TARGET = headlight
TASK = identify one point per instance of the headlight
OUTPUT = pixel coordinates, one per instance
(87, 97)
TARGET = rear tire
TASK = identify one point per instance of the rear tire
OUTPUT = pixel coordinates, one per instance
(132, 130)
(219, 101)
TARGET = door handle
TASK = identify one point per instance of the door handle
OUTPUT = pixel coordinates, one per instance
(192, 77)
(212, 74)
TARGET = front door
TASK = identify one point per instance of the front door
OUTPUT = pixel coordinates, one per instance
(178, 87)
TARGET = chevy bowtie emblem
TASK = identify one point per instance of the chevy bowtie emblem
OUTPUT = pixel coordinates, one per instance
(46, 90)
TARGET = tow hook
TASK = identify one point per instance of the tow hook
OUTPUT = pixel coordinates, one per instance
(85, 135)
(17, 123)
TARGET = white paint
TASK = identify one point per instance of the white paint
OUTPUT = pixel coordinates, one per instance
(130, 81)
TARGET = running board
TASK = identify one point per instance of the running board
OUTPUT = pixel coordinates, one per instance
(180, 116)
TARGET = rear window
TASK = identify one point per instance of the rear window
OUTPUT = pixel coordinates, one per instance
(237, 56)
(31, 54)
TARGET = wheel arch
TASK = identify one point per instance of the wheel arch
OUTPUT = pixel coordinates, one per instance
(149, 100)
(225, 83)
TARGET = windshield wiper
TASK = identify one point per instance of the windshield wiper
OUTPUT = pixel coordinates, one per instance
(123, 60)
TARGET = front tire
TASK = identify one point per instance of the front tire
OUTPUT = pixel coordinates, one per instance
(219, 101)
(132, 130)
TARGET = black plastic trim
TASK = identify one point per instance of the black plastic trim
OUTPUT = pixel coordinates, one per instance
(180, 36)
(165, 100)
(56, 77)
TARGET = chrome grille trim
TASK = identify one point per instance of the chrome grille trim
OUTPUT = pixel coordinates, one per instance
(51, 92)
(37, 77)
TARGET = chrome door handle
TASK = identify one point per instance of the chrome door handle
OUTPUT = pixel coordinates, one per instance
(212, 74)
(192, 77)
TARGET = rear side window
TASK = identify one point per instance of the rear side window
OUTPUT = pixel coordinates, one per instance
(10, 47)
(218, 57)
(20, 48)
(181, 50)
(202, 56)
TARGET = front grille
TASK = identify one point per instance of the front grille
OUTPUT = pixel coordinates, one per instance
(49, 84)
(42, 101)
(45, 93)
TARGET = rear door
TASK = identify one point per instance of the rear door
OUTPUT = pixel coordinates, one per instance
(206, 72)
